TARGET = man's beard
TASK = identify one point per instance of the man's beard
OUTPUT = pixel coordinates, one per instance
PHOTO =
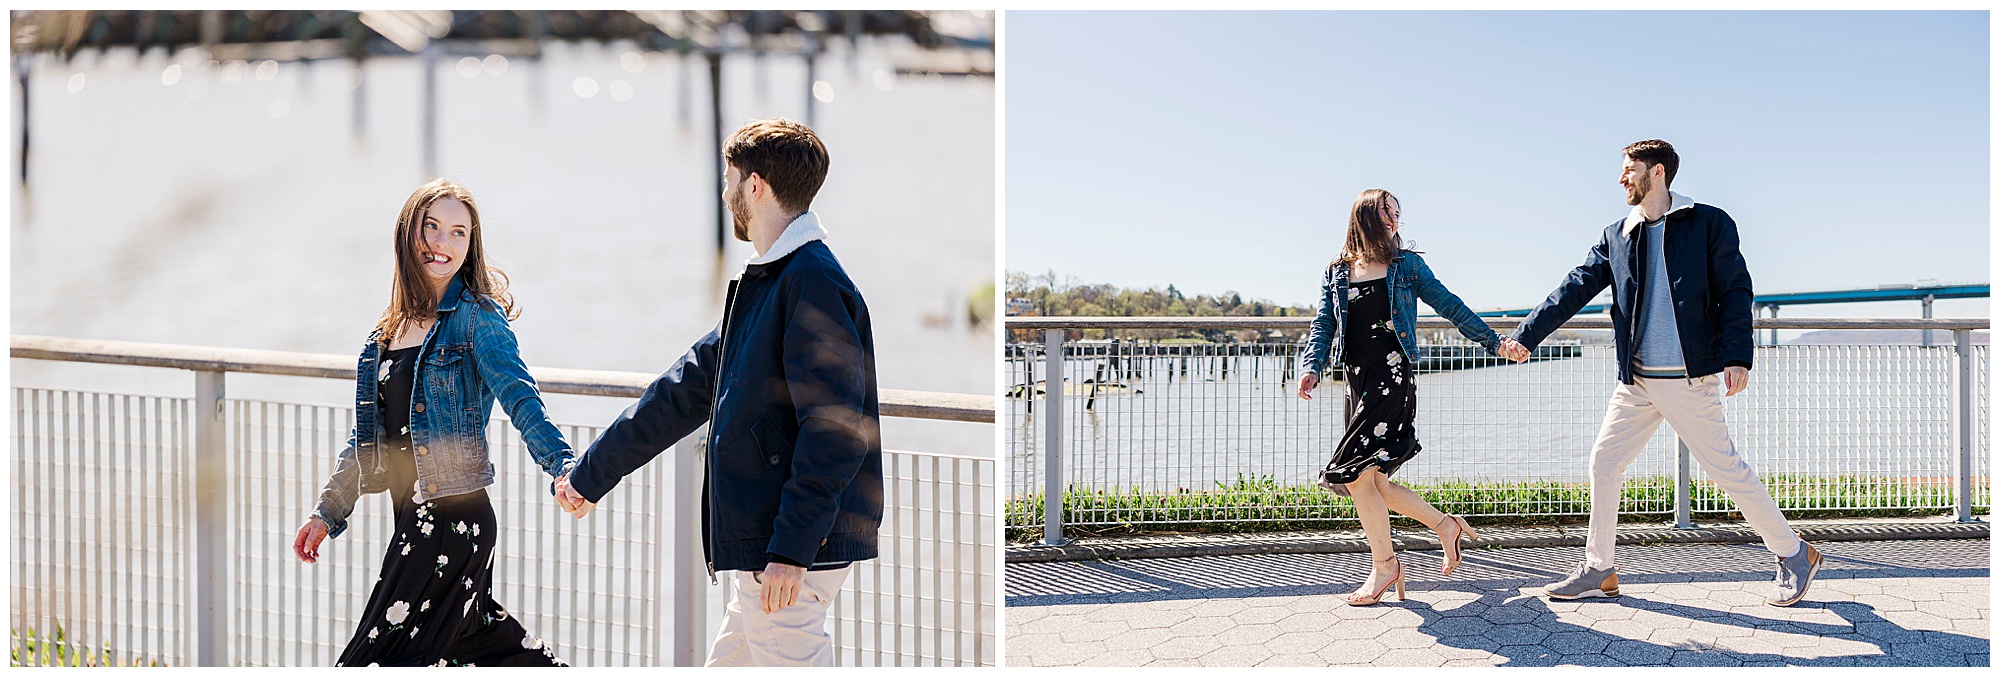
(1637, 194)
(739, 216)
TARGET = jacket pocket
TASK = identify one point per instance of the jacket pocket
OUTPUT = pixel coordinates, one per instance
(774, 448)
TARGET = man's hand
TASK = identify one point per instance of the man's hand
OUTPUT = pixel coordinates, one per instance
(571, 501)
(1513, 350)
(1737, 377)
(306, 544)
(782, 583)
(1306, 384)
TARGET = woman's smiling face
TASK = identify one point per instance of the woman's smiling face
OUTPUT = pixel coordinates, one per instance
(442, 239)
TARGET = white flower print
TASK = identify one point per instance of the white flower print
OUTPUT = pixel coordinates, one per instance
(475, 532)
(1352, 293)
(397, 612)
(374, 665)
(458, 527)
(467, 582)
(531, 642)
(426, 527)
(1381, 429)
(426, 606)
(406, 548)
(443, 559)
(372, 632)
(438, 664)
(384, 376)
(1395, 358)
(414, 629)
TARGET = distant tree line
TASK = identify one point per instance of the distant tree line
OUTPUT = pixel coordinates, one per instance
(1051, 295)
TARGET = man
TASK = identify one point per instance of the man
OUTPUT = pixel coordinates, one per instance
(786, 382)
(1680, 312)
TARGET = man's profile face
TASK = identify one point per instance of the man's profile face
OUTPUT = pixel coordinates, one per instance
(739, 207)
(1637, 178)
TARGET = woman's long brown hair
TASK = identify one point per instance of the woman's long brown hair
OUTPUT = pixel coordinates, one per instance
(1367, 234)
(411, 296)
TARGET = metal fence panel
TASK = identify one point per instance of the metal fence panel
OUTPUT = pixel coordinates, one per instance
(102, 544)
(1827, 427)
(102, 500)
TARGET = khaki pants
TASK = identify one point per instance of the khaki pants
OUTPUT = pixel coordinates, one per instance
(794, 636)
(1694, 408)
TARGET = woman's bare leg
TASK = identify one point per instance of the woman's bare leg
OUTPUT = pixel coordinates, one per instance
(1374, 513)
(1402, 500)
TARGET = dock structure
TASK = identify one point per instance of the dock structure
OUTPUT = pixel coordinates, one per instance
(950, 43)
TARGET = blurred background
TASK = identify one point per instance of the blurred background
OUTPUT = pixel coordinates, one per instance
(232, 178)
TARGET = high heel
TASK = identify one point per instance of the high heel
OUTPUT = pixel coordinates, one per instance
(1357, 599)
(1452, 552)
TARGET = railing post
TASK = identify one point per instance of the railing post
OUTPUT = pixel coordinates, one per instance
(1964, 421)
(687, 633)
(211, 522)
(1052, 440)
(1683, 486)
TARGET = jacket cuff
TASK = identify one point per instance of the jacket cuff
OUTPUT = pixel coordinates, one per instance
(588, 487)
(792, 551)
(334, 525)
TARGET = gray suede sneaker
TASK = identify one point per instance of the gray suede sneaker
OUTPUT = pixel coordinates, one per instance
(1585, 582)
(1795, 573)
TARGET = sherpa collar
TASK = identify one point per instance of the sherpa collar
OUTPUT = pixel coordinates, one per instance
(801, 230)
(1633, 218)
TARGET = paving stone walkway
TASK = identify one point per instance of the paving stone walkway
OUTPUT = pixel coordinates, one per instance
(1887, 603)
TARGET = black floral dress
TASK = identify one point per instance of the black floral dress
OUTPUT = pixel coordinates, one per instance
(1381, 392)
(433, 602)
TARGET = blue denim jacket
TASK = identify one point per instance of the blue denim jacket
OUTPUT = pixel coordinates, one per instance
(469, 360)
(1409, 279)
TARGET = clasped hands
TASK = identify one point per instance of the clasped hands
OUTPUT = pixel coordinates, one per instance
(570, 500)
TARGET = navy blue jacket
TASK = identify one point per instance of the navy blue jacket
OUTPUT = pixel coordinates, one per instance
(786, 383)
(1706, 275)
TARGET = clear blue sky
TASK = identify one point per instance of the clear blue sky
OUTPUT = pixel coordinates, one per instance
(1220, 151)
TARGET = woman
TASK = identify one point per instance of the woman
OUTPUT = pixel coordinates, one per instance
(1367, 318)
(425, 385)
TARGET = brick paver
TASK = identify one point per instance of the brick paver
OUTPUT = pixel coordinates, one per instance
(1887, 603)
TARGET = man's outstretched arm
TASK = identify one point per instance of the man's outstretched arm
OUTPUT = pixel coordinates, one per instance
(1577, 289)
(674, 405)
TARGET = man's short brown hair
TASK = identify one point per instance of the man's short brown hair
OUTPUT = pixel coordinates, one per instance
(1656, 152)
(787, 154)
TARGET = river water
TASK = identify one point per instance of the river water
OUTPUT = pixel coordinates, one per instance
(234, 210)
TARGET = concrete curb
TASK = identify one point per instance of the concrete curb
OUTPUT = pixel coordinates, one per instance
(1351, 540)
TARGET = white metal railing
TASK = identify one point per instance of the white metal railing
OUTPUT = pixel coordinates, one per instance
(1136, 423)
(147, 532)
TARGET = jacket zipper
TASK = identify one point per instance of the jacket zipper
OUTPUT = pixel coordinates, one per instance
(715, 398)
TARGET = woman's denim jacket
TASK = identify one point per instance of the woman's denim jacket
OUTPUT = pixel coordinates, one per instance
(469, 359)
(1409, 279)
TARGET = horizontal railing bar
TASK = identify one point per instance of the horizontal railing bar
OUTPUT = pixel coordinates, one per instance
(1304, 322)
(898, 403)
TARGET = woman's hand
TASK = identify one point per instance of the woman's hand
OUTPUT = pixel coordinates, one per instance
(1513, 350)
(1306, 384)
(306, 544)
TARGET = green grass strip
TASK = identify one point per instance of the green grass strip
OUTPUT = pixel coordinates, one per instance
(1253, 504)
